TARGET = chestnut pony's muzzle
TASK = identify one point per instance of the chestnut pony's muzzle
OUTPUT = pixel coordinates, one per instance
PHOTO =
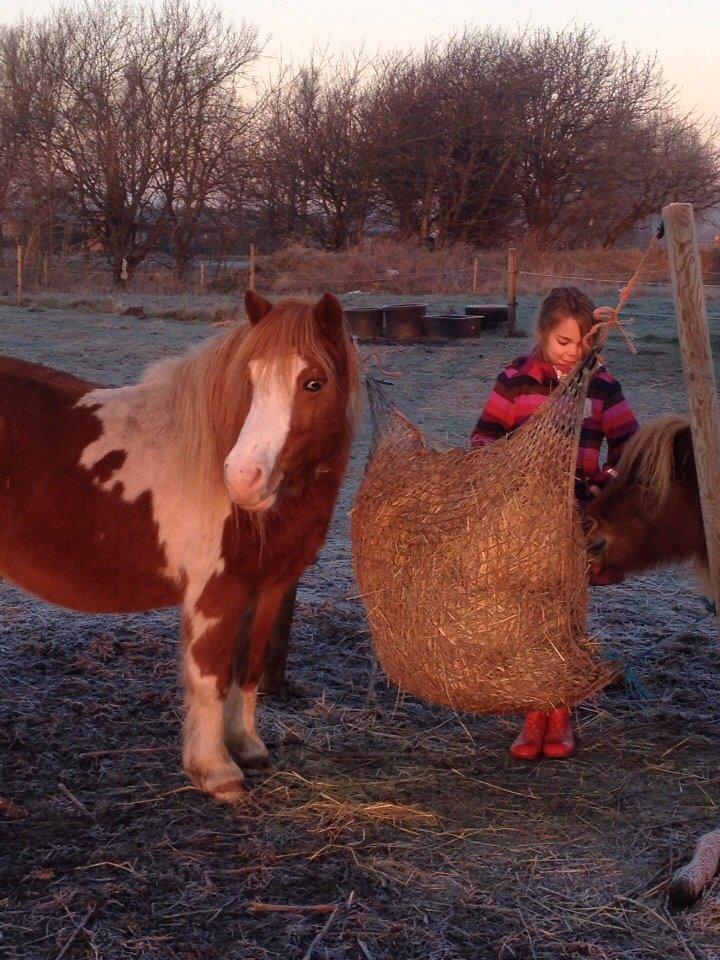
(596, 547)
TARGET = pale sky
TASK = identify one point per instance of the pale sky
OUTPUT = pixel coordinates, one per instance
(685, 34)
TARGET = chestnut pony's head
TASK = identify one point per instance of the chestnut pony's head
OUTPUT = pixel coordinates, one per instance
(297, 398)
(649, 514)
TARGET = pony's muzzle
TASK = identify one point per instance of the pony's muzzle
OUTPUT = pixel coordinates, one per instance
(596, 547)
(248, 486)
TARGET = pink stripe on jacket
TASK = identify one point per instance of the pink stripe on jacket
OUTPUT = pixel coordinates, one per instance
(525, 385)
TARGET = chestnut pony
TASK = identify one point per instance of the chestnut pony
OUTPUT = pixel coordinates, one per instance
(209, 484)
(650, 513)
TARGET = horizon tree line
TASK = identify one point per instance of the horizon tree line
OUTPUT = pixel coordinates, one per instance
(140, 129)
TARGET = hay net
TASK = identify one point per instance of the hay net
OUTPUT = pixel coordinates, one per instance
(472, 563)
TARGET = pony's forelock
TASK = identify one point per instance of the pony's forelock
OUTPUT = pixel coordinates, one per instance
(648, 459)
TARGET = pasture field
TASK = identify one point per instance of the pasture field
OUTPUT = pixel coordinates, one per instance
(393, 829)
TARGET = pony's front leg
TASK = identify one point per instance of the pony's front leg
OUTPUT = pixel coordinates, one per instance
(241, 736)
(208, 650)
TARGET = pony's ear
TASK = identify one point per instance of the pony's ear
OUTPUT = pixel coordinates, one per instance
(328, 313)
(683, 455)
(256, 307)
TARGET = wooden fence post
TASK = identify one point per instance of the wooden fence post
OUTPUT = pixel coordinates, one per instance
(251, 271)
(475, 275)
(699, 373)
(20, 269)
(512, 290)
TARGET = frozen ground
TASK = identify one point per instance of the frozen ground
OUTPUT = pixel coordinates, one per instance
(409, 820)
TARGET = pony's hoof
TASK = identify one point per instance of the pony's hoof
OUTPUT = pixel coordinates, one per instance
(229, 791)
(248, 752)
(224, 783)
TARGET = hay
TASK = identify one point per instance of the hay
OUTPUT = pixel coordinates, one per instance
(472, 564)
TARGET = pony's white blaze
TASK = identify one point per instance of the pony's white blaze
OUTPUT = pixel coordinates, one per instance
(250, 465)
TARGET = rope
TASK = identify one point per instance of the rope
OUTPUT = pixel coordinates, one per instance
(607, 317)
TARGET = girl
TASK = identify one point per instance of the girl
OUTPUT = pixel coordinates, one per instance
(566, 317)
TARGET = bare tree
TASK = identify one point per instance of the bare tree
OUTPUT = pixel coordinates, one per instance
(663, 158)
(315, 165)
(143, 100)
(107, 143)
(580, 100)
(143, 123)
(203, 62)
(402, 112)
(445, 123)
(279, 187)
(476, 97)
(32, 193)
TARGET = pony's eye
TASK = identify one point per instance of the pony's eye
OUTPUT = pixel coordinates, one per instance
(314, 385)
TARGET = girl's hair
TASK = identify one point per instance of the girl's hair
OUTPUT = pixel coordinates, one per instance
(562, 302)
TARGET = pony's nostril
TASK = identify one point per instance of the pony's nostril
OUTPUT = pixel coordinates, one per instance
(248, 476)
(596, 547)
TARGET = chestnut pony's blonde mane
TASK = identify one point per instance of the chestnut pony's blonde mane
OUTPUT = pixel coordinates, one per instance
(648, 458)
(208, 388)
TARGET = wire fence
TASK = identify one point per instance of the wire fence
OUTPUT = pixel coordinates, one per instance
(277, 274)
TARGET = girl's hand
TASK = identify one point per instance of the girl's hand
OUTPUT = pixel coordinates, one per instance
(601, 480)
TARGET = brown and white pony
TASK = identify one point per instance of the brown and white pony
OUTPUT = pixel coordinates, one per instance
(209, 484)
(650, 514)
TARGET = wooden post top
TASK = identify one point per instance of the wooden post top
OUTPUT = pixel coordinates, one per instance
(698, 371)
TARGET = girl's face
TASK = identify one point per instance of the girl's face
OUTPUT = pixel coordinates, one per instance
(563, 345)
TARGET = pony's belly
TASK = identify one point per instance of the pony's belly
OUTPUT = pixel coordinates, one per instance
(106, 588)
(94, 555)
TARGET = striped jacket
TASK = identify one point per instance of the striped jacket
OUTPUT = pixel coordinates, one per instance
(523, 386)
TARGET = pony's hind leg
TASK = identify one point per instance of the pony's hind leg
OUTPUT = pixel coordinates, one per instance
(241, 736)
(207, 668)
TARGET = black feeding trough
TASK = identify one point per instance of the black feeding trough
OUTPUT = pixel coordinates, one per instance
(365, 324)
(491, 314)
(453, 326)
(405, 321)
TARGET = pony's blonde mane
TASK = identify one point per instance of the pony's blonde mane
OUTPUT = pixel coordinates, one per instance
(648, 458)
(208, 387)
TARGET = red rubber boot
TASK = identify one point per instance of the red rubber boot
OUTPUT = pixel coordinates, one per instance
(559, 737)
(529, 742)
